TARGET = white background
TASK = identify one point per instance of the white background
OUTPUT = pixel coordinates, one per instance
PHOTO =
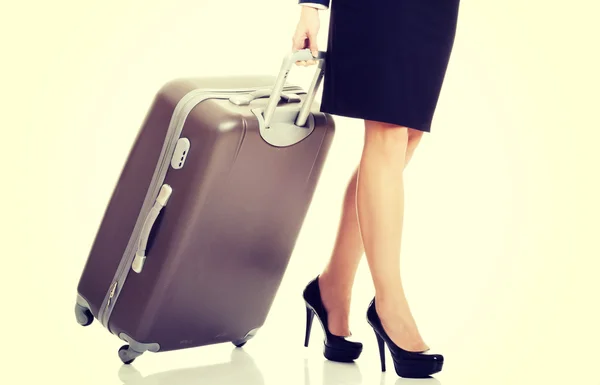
(500, 254)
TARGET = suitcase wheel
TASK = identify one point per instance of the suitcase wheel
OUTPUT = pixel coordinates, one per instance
(242, 341)
(127, 355)
(84, 316)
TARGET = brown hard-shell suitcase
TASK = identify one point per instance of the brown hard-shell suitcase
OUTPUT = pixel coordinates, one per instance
(204, 217)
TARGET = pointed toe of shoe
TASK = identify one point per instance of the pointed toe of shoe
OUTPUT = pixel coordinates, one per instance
(342, 350)
(354, 346)
(427, 355)
(346, 353)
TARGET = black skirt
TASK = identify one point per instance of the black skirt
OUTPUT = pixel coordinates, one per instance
(387, 59)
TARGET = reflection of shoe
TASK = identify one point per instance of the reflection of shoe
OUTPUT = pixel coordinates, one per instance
(407, 364)
(421, 381)
(336, 348)
(338, 373)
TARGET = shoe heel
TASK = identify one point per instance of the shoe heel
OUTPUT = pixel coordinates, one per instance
(381, 345)
(310, 315)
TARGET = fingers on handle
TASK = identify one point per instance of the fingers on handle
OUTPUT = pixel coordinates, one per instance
(298, 43)
(314, 49)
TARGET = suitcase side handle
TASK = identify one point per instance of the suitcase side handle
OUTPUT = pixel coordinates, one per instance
(140, 254)
(286, 66)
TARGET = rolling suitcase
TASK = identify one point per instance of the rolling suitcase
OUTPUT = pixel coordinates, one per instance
(204, 217)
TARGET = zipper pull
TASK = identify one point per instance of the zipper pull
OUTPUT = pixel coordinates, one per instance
(113, 289)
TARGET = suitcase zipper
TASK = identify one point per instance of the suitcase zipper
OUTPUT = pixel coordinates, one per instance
(112, 293)
(183, 108)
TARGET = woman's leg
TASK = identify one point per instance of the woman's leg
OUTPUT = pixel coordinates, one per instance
(380, 203)
(337, 278)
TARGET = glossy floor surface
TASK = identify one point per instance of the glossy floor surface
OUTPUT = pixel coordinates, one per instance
(479, 351)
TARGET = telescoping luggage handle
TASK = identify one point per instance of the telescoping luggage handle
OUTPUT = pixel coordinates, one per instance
(286, 66)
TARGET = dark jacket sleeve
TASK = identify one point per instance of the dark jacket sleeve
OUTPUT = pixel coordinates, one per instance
(324, 3)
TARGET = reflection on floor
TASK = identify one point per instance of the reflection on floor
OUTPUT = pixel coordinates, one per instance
(242, 369)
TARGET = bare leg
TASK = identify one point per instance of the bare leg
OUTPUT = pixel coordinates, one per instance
(380, 203)
(338, 276)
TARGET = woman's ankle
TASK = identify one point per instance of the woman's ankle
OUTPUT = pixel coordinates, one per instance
(394, 306)
(335, 296)
(333, 281)
(398, 322)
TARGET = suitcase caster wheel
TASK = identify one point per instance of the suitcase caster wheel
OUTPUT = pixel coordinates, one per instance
(239, 344)
(242, 341)
(84, 316)
(125, 355)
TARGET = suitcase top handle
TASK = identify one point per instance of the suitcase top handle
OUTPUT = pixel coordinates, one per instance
(288, 61)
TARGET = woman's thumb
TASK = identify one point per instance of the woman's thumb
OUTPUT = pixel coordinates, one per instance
(313, 44)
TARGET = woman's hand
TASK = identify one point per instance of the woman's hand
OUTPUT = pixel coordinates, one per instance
(306, 33)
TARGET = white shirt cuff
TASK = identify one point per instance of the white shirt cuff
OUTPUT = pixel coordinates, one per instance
(314, 5)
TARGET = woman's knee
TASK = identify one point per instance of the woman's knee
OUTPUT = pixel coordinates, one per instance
(388, 136)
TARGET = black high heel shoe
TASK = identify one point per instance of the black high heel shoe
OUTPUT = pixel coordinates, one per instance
(407, 364)
(336, 348)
